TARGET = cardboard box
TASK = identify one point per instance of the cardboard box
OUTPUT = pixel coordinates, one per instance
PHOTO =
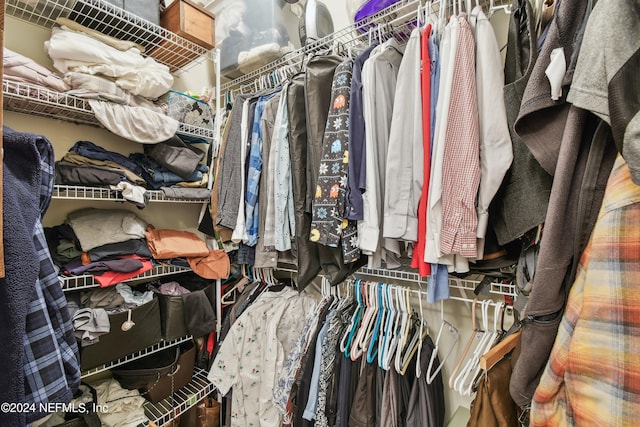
(190, 21)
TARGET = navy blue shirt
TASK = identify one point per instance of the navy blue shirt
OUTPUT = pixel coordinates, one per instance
(357, 160)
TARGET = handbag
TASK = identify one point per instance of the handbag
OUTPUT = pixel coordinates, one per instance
(189, 110)
(160, 374)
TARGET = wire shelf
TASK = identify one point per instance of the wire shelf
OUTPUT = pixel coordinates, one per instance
(87, 281)
(466, 284)
(166, 47)
(398, 18)
(39, 101)
(76, 192)
(166, 410)
(137, 355)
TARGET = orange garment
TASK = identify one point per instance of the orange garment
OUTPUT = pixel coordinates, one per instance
(168, 243)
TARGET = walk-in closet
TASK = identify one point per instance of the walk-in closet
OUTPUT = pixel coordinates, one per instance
(360, 213)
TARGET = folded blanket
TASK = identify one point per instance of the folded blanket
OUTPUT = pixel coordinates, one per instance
(136, 124)
(22, 69)
(75, 51)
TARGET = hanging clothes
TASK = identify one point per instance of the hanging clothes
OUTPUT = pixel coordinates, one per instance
(426, 403)
(448, 47)
(328, 203)
(266, 256)
(404, 174)
(492, 405)
(319, 73)
(496, 150)
(255, 170)
(305, 251)
(461, 165)
(357, 170)
(239, 234)
(417, 259)
(584, 161)
(318, 79)
(253, 352)
(521, 203)
(596, 334)
(284, 214)
(230, 176)
(379, 77)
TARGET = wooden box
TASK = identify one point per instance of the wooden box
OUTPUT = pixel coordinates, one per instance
(190, 21)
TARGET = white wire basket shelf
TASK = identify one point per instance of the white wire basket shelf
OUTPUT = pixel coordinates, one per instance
(39, 101)
(169, 409)
(398, 18)
(87, 281)
(137, 355)
(76, 192)
(166, 47)
(469, 283)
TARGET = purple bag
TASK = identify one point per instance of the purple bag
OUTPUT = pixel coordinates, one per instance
(372, 7)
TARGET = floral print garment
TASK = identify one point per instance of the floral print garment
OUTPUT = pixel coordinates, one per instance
(253, 353)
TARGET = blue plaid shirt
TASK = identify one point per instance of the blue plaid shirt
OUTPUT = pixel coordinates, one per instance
(254, 171)
(51, 360)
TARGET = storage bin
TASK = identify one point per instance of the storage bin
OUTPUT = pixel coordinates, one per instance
(145, 9)
(172, 308)
(97, 19)
(190, 21)
(252, 33)
(118, 343)
(153, 375)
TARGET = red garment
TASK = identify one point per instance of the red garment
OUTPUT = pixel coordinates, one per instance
(113, 277)
(417, 261)
(461, 165)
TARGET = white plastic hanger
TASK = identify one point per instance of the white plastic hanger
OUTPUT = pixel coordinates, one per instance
(371, 326)
(493, 337)
(405, 326)
(476, 335)
(372, 347)
(356, 346)
(474, 360)
(431, 374)
(347, 338)
(382, 330)
(392, 340)
(387, 326)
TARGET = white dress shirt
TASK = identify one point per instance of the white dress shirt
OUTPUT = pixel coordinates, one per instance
(405, 156)
(379, 75)
(496, 151)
